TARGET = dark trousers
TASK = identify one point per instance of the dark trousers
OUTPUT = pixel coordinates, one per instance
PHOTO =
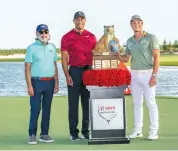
(43, 94)
(73, 101)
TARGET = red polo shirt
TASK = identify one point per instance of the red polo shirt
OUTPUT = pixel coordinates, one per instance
(79, 47)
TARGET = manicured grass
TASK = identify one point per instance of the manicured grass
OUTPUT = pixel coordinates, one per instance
(169, 60)
(15, 118)
(16, 59)
(12, 60)
(165, 60)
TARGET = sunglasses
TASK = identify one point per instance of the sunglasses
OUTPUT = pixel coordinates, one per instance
(45, 31)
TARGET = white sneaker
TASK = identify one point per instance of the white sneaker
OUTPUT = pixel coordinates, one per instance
(135, 134)
(153, 136)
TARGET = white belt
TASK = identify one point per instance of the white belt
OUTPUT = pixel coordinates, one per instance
(141, 71)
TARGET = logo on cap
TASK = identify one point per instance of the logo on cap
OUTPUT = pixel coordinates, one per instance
(42, 27)
(79, 14)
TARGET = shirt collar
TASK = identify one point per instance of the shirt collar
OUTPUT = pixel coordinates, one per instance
(144, 34)
(78, 32)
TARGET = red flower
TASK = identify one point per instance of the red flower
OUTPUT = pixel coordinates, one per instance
(107, 78)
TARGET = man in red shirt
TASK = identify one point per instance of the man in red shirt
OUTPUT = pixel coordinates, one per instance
(76, 51)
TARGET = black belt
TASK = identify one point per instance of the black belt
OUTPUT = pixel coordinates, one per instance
(83, 67)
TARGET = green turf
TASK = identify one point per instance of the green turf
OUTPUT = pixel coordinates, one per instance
(169, 60)
(165, 60)
(16, 59)
(14, 120)
(11, 60)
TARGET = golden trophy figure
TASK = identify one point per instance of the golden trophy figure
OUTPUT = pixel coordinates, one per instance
(105, 53)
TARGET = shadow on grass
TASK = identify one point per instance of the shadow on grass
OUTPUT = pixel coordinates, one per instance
(21, 142)
(67, 141)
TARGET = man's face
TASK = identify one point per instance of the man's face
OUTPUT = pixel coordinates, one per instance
(43, 35)
(136, 25)
(79, 23)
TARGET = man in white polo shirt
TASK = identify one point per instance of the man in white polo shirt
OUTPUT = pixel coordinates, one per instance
(143, 49)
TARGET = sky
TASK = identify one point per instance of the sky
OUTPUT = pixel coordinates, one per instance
(19, 18)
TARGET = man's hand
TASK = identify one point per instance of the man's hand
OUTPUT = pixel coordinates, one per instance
(69, 80)
(30, 91)
(152, 81)
(56, 88)
(114, 53)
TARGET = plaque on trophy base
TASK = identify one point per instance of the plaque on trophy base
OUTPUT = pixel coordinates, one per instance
(107, 115)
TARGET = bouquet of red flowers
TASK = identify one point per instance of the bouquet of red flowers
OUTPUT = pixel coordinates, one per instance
(106, 78)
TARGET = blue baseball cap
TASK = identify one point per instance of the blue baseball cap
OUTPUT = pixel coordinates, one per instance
(41, 27)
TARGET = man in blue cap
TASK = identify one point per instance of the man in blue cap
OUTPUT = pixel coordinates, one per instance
(41, 75)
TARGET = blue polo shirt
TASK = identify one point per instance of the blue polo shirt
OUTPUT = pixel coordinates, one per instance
(42, 58)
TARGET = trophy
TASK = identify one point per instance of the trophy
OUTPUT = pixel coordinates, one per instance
(106, 50)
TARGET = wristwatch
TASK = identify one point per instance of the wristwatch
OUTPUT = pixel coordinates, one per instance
(154, 75)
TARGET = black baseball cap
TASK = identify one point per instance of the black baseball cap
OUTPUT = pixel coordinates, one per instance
(79, 14)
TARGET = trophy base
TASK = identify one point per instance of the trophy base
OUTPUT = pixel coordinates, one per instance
(119, 140)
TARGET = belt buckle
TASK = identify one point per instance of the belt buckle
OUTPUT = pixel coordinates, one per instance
(86, 67)
(43, 79)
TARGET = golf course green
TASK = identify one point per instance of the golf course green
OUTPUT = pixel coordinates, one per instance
(15, 118)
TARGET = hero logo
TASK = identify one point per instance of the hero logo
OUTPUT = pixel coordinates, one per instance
(107, 112)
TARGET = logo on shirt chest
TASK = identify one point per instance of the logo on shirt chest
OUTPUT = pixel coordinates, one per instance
(51, 51)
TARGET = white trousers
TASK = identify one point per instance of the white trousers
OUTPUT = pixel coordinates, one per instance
(139, 88)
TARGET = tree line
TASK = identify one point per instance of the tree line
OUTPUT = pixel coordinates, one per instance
(169, 47)
(165, 47)
(5, 52)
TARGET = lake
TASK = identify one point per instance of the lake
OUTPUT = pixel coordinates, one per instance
(12, 80)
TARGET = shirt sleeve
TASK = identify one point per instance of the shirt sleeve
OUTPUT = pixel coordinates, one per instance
(64, 44)
(29, 55)
(154, 44)
(127, 50)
